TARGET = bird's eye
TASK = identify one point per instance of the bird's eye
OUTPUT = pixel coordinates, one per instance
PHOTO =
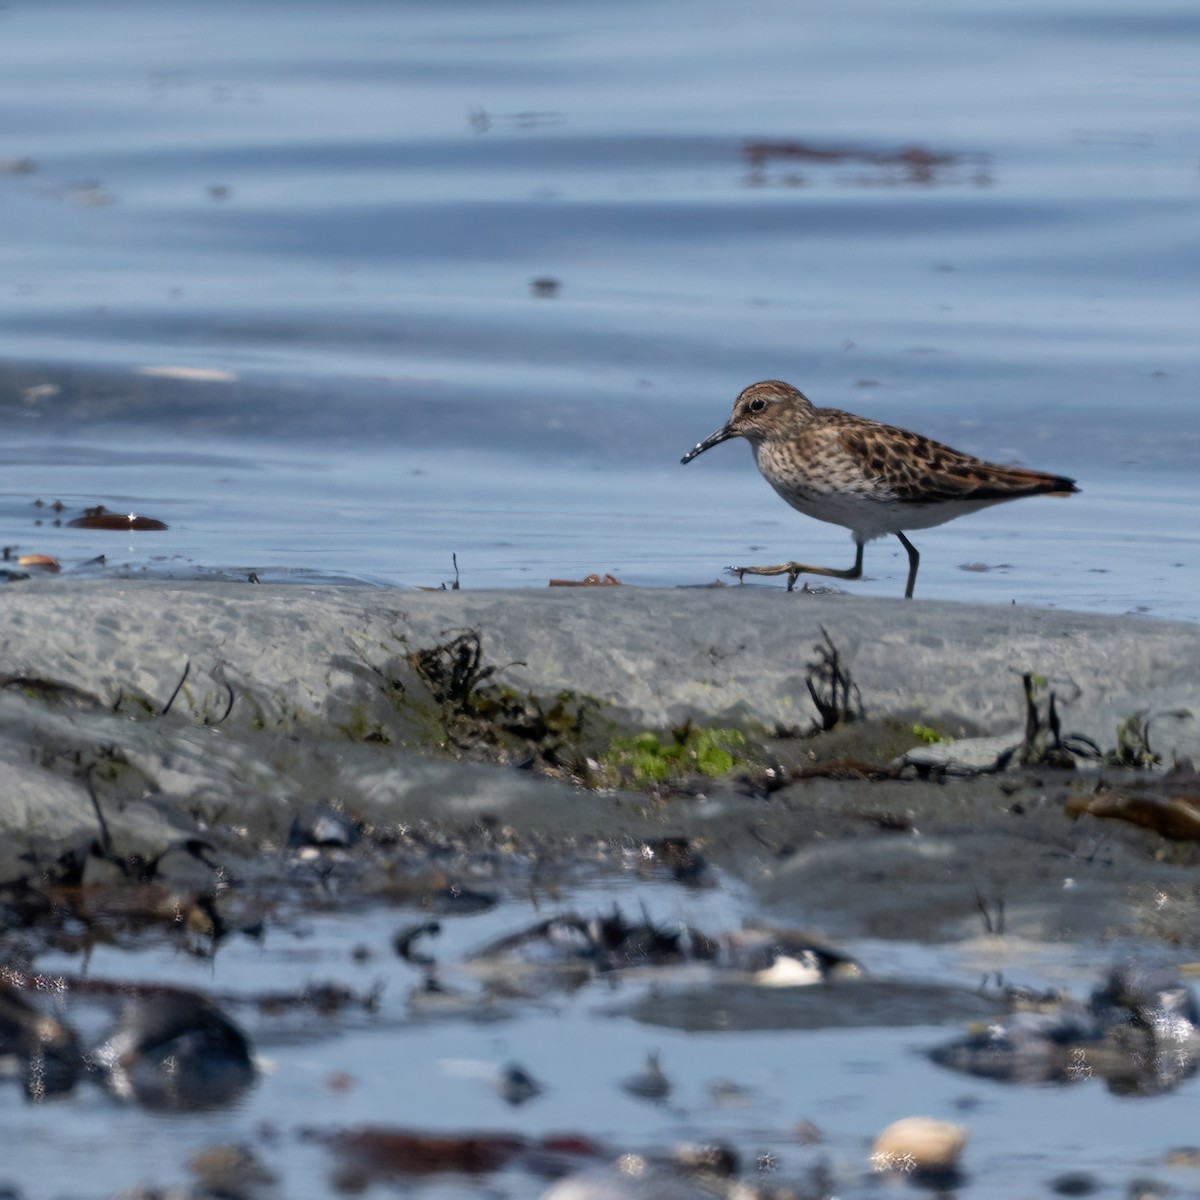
(757, 404)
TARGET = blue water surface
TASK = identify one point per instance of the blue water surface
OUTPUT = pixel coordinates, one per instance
(354, 287)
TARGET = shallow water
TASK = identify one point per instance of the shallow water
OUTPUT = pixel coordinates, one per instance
(748, 1088)
(338, 215)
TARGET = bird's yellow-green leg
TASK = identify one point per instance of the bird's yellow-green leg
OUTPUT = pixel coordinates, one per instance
(793, 570)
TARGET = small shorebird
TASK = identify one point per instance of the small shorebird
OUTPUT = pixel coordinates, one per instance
(871, 478)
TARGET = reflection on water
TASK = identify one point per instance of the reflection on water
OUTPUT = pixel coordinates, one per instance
(806, 1090)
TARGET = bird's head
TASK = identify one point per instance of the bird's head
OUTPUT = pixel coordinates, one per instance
(763, 411)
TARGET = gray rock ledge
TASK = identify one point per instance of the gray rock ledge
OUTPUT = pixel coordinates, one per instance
(657, 656)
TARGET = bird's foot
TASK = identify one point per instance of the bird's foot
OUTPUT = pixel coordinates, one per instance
(793, 571)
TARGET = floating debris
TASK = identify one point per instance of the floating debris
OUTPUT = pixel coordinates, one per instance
(481, 121)
(768, 163)
(378, 1154)
(588, 581)
(100, 517)
(39, 562)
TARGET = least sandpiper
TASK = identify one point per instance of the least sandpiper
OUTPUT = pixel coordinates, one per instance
(871, 478)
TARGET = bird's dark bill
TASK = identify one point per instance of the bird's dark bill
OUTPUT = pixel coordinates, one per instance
(714, 439)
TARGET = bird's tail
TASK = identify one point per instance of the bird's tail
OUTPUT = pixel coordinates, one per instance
(1016, 481)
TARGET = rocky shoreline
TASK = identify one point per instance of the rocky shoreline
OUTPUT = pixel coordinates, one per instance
(150, 713)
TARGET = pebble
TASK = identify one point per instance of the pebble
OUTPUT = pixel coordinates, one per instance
(918, 1144)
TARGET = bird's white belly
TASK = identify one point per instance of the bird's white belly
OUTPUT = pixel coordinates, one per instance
(868, 516)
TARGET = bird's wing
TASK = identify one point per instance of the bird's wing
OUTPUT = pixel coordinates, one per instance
(917, 470)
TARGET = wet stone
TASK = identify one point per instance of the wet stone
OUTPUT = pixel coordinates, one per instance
(1075, 1183)
(49, 1058)
(230, 1172)
(966, 756)
(915, 1144)
(324, 827)
(175, 1051)
(1137, 1032)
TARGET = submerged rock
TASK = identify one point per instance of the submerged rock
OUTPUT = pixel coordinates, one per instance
(1152, 997)
(1027, 1047)
(175, 1050)
(1139, 1031)
(47, 1052)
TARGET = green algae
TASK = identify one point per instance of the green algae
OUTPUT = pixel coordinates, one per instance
(648, 758)
(928, 734)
